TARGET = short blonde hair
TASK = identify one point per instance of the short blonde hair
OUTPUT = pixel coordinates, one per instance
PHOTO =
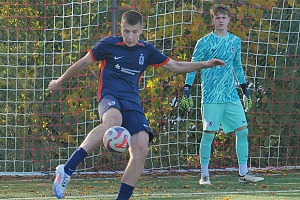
(223, 9)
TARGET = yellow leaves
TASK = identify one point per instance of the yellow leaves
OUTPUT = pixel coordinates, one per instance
(43, 138)
(266, 187)
(88, 187)
(242, 9)
(67, 138)
(240, 16)
(294, 3)
(151, 83)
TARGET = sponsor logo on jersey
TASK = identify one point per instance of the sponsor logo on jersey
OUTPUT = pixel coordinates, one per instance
(117, 66)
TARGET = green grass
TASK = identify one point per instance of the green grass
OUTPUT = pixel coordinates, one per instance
(277, 185)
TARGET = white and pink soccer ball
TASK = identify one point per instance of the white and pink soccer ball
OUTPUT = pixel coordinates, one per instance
(117, 139)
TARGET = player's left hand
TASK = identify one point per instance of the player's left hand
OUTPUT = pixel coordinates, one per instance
(247, 101)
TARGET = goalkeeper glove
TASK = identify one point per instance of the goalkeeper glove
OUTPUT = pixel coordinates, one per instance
(187, 101)
(247, 101)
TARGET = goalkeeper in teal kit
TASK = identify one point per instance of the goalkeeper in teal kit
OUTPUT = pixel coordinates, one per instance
(220, 101)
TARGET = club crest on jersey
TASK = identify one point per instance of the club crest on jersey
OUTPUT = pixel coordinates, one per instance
(232, 49)
(141, 59)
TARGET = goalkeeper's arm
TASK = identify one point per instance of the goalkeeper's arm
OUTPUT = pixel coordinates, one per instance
(187, 101)
(246, 97)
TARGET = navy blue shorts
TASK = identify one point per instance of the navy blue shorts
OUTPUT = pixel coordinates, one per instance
(133, 119)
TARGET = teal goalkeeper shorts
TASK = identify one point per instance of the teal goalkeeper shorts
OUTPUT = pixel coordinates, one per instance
(228, 115)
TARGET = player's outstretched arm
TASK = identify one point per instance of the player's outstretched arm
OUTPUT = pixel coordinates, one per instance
(71, 71)
(184, 67)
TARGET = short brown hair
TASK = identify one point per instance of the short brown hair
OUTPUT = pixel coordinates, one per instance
(223, 9)
(132, 17)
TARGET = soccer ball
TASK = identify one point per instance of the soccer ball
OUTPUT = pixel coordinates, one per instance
(117, 139)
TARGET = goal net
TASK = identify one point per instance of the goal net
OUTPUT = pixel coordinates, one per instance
(41, 39)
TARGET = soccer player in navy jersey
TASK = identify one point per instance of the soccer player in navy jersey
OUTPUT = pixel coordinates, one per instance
(123, 61)
(220, 103)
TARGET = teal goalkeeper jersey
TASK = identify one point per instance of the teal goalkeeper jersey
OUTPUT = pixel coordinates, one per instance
(218, 84)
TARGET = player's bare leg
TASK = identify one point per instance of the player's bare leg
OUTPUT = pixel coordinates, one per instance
(111, 117)
(138, 153)
(94, 139)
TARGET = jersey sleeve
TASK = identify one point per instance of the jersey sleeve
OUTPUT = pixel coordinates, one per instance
(198, 55)
(157, 59)
(98, 51)
(237, 64)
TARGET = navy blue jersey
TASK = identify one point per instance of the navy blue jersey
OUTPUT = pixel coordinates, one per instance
(122, 67)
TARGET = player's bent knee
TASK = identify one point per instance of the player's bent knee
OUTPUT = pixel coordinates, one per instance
(242, 134)
(112, 117)
(207, 137)
(111, 121)
(139, 145)
(139, 153)
(139, 148)
(241, 128)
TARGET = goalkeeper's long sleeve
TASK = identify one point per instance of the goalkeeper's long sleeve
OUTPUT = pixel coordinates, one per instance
(237, 66)
(190, 78)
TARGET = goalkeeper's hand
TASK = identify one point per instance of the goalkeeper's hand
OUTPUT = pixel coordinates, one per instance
(247, 101)
(186, 101)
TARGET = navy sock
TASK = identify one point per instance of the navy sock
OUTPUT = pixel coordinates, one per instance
(125, 192)
(74, 160)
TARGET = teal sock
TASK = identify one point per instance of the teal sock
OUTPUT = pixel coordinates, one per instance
(205, 151)
(243, 169)
(204, 170)
(242, 150)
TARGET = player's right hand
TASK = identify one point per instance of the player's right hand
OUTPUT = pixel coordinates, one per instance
(214, 62)
(186, 101)
(54, 85)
